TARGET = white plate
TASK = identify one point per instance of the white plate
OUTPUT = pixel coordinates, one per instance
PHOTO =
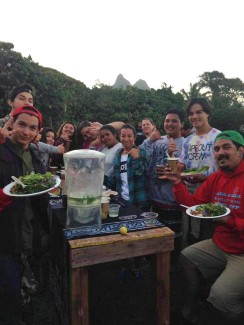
(184, 175)
(188, 211)
(8, 188)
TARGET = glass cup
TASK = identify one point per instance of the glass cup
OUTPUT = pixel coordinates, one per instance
(63, 184)
(173, 164)
(150, 218)
(53, 170)
(105, 207)
(113, 210)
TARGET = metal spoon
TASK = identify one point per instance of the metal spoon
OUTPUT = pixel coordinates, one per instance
(18, 181)
(184, 206)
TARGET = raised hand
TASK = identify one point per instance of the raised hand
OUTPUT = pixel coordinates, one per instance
(165, 172)
(61, 149)
(171, 147)
(155, 135)
(135, 153)
(5, 132)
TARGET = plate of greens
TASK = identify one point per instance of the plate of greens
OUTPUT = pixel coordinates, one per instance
(208, 211)
(194, 171)
(36, 184)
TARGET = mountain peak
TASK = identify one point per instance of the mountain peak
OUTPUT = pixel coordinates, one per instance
(123, 83)
(141, 84)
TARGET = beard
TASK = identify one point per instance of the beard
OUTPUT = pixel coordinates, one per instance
(220, 159)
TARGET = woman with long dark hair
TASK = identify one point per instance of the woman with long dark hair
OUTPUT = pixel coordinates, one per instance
(110, 146)
(66, 135)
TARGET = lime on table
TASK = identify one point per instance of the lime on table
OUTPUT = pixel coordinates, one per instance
(123, 230)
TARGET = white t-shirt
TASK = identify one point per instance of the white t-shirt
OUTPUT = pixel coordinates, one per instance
(123, 174)
(197, 151)
(110, 154)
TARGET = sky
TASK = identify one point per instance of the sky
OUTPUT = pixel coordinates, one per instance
(159, 41)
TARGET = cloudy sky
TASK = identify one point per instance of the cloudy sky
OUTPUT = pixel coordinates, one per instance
(160, 41)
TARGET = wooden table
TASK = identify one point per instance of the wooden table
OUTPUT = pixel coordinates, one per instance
(90, 251)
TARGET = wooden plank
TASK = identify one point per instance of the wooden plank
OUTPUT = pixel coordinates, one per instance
(163, 288)
(117, 250)
(79, 307)
(130, 236)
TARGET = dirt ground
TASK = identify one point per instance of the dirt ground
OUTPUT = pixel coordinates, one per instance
(120, 293)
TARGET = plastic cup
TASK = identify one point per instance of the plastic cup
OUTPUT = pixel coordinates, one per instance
(113, 210)
(173, 164)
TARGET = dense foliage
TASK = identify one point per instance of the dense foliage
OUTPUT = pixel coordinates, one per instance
(62, 98)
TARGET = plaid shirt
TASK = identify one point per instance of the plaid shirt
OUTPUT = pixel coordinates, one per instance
(136, 174)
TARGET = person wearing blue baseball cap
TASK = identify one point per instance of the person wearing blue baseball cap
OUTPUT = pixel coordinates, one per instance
(219, 260)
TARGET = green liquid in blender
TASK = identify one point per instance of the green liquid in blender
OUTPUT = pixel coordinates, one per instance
(88, 200)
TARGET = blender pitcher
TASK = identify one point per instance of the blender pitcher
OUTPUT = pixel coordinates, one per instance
(84, 174)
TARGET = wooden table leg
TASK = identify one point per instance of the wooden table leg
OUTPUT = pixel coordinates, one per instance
(79, 308)
(163, 288)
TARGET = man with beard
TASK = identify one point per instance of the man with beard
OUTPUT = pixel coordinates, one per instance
(220, 260)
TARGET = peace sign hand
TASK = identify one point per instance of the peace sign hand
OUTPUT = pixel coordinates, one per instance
(4, 132)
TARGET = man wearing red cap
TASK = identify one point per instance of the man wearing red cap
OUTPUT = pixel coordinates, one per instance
(22, 220)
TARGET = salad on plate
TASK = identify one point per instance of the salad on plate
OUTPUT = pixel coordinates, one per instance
(35, 184)
(208, 210)
(194, 171)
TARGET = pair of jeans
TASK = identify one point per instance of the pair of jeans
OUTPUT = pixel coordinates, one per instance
(10, 289)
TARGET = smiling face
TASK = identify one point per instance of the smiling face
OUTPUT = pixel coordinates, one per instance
(50, 138)
(21, 99)
(227, 155)
(108, 138)
(68, 129)
(147, 127)
(197, 117)
(127, 138)
(172, 126)
(25, 129)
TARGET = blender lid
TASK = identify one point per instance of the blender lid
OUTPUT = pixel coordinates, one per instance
(84, 153)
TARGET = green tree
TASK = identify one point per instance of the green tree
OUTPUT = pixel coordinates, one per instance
(224, 93)
(194, 91)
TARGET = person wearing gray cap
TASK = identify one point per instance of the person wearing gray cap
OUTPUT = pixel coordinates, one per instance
(19, 96)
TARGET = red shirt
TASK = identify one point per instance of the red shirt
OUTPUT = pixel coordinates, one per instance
(227, 189)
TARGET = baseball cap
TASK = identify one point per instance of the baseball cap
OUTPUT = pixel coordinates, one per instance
(31, 110)
(24, 88)
(231, 135)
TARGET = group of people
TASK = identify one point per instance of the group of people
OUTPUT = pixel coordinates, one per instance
(137, 168)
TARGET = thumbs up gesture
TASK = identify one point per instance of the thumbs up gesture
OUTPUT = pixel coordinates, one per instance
(171, 147)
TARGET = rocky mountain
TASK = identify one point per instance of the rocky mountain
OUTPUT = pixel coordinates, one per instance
(121, 82)
(141, 84)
